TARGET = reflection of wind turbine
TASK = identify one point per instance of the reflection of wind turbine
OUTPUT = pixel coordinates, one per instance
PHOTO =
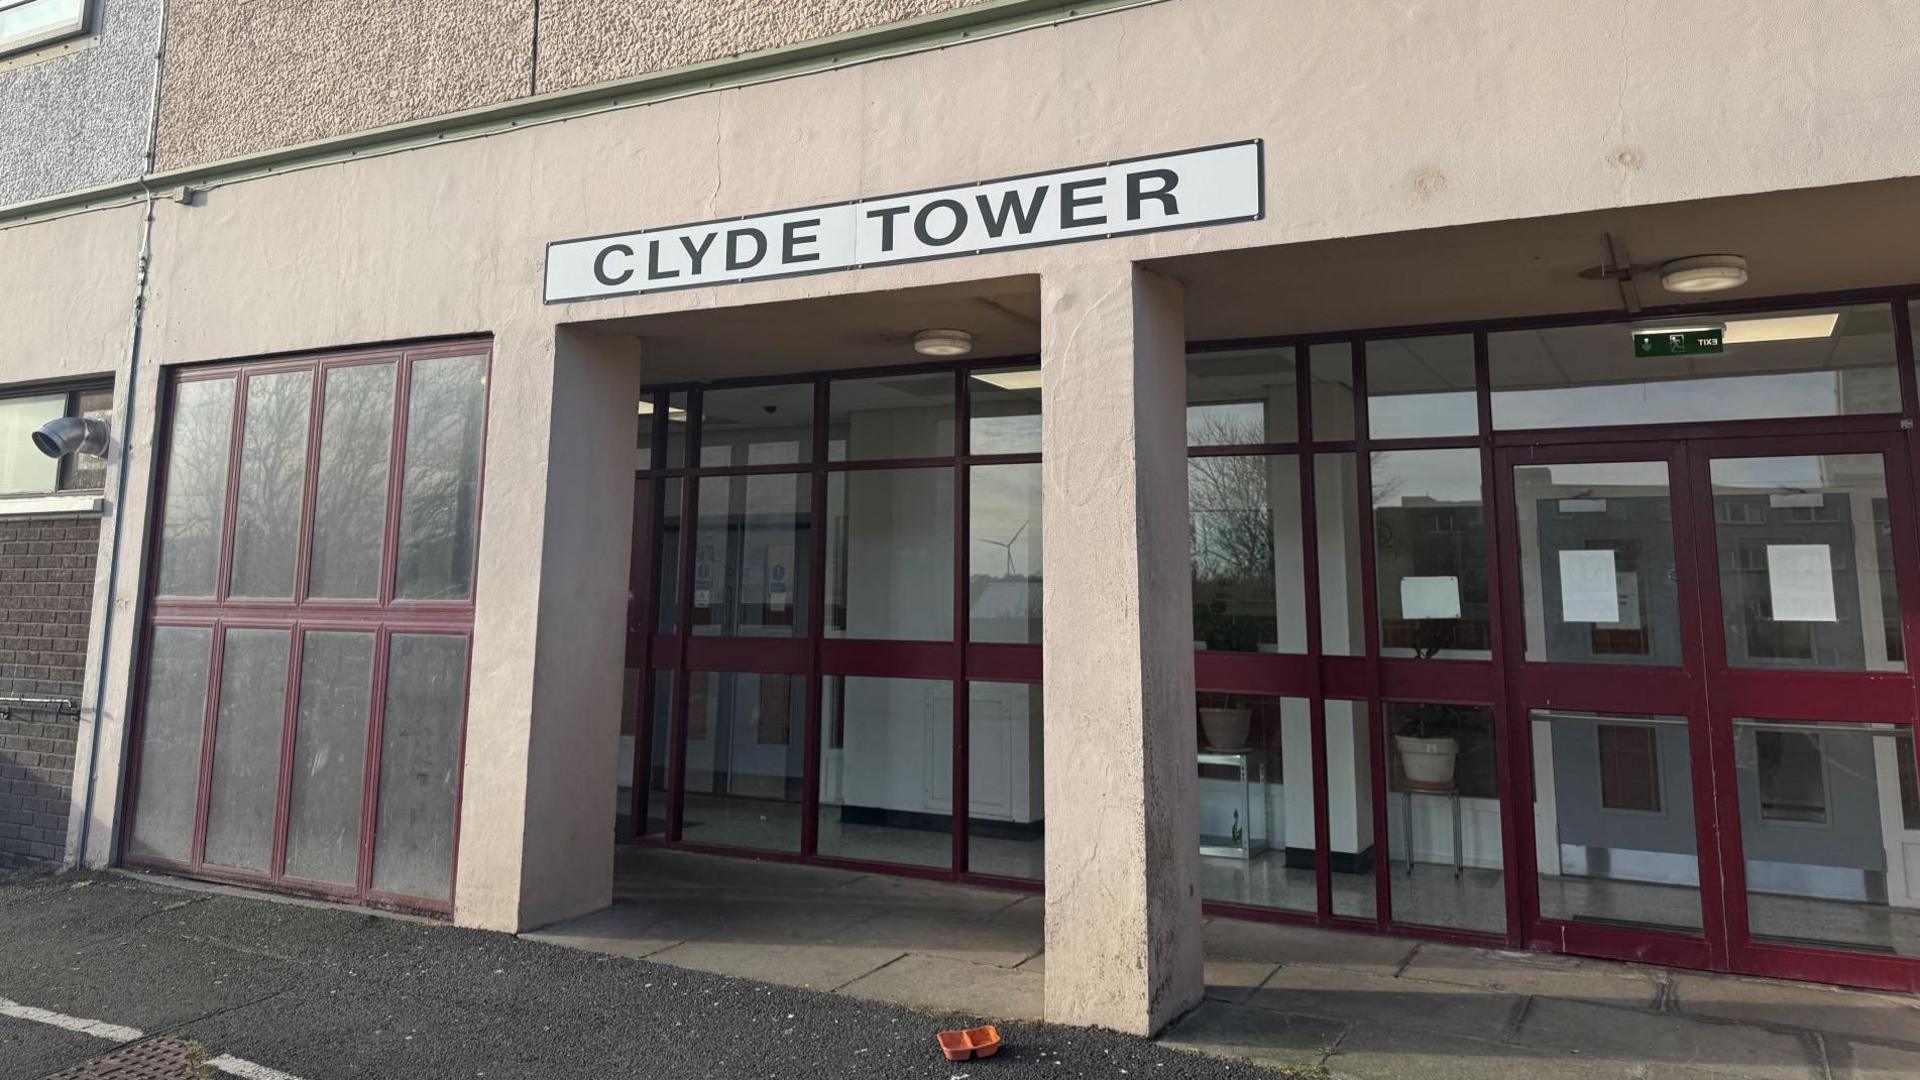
(1008, 543)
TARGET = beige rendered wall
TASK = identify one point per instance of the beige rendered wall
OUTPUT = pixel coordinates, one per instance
(67, 288)
(1377, 117)
(242, 77)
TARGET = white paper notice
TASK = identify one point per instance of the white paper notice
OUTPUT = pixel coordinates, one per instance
(1430, 598)
(1801, 578)
(1589, 589)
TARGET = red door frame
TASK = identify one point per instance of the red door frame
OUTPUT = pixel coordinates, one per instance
(1710, 693)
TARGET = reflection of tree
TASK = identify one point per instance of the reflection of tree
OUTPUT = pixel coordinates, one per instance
(1004, 578)
(273, 465)
(1230, 527)
(196, 486)
(446, 415)
(351, 498)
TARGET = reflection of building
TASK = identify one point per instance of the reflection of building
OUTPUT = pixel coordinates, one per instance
(411, 525)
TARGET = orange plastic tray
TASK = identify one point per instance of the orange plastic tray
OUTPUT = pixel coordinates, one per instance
(970, 1042)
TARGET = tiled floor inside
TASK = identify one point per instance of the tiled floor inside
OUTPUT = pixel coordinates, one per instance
(1361, 1005)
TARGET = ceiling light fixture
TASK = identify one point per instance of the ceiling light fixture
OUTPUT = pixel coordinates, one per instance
(1781, 328)
(943, 343)
(1703, 273)
(1024, 379)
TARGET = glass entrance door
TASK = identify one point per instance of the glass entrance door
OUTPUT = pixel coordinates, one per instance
(1606, 693)
(1718, 741)
(1807, 588)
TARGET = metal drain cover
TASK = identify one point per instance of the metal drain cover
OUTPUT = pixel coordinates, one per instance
(150, 1059)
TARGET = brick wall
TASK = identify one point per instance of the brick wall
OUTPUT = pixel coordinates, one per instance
(46, 596)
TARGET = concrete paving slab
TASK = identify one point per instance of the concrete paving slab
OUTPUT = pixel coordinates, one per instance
(621, 930)
(1351, 995)
(813, 965)
(1599, 1032)
(914, 894)
(1568, 977)
(647, 872)
(1852, 1013)
(1305, 945)
(1223, 1029)
(1234, 980)
(1867, 1061)
(956, 936)
(1372, 1051)
(939, 984)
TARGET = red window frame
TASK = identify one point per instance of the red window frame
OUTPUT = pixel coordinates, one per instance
(383, 616)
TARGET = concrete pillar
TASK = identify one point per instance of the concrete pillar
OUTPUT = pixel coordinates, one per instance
(543, 725)
(1123, 900)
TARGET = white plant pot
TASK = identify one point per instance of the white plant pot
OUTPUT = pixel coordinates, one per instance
(1226, 729)
(1427, 764)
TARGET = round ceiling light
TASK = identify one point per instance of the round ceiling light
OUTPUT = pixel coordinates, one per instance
(1703, 273)
(943, 343)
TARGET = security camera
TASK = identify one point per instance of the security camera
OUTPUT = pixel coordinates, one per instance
(72, 435)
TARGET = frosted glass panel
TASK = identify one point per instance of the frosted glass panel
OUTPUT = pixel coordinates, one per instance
(419, 765)
(273, 473)
(440, 495)
(350, 500)
(23, 468)
(246, 750)
(196, 487)
(329, 757)
(172, 723)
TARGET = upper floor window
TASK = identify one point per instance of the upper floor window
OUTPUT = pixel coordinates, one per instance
(27, 24)
(24, 470)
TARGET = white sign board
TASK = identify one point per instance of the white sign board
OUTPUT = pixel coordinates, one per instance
(1800, 577)
(1430, 598)
(1210, 186)
(1589, 587)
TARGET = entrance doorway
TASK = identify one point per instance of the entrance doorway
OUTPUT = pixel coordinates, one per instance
(1709, 662)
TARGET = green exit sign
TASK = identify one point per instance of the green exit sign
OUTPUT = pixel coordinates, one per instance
(1696, 342)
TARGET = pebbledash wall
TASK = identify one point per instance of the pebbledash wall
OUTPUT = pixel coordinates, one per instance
(1378, 118)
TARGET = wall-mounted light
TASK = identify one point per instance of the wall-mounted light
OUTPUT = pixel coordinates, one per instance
(72, 435)
(1703, 273)
(943, 343)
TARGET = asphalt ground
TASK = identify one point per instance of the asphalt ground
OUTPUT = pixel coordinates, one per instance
(322, 993)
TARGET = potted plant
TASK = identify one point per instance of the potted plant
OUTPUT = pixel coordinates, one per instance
(1226, 723)
(1428, 740)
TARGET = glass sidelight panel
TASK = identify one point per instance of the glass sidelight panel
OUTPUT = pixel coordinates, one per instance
(1006, 780)
(890, 554)
(1815, 362)
(891, 416)
(886, 770)
(350, 492)
(660, 710)
(1615, 841)
(1242, 398)
(1597, 566)
(1805, 554)
(1003, 410)
(273, 471)
(1430, 552)
(666, 557)
(751, 556)
(1420, 388)
(757, 425)
(245, 786)
(1256, 801)
(1248, 563)
(1336, 521)
(1333, 399)
(419, 765)
(746, 758)
(440, 487)
(1352, 853)
(1828, 832)
(173, 721)
(329, 757)
(1004, 554)
(1443, 817)
(194, 515)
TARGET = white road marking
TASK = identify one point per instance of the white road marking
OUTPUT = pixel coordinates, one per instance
(251, 1070)
(99, 1029)
(120, 1033)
